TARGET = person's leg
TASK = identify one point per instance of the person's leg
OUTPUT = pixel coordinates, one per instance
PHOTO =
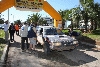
(13, 36)
(30, 46)
(16, 32)
(27, 42)
(10, 37)
(6, 35)
(33, 47)
(34, 43)
(22, 43)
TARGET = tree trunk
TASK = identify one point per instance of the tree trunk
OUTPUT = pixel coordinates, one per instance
(63, 24)
(91, 24)
(71, 25)
(77, 24)
(95, 26)
(86, 21)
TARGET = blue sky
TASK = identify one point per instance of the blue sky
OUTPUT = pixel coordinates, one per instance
(56, 4)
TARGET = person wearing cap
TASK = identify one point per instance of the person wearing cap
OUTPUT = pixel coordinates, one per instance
(23, 34)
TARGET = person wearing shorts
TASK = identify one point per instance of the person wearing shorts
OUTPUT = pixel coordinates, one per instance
(32, 36)
(32, 43)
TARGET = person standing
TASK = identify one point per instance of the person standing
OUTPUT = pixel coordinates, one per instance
(12, 31)
(23, 34)
(6, 27)
(17, 29)
(32, 37)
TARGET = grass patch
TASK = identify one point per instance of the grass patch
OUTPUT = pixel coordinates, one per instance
(95, 35)
(96, 32)
(2, 34)
(92, 36)
(2, 42)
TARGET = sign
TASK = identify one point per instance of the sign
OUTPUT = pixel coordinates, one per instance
(29, 5)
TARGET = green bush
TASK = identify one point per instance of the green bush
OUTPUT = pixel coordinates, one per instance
(96, 32)
(2, 34)
(66, 31)
(2, 42)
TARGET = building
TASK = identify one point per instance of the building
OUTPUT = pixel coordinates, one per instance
(49, 20)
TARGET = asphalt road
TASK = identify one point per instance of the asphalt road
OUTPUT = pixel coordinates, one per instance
(82, 56)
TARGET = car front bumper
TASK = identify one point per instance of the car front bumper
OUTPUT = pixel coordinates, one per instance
(62, 47)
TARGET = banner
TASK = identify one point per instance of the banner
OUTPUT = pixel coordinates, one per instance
(29, 5)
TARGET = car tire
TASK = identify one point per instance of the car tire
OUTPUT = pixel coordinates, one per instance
(46, 48)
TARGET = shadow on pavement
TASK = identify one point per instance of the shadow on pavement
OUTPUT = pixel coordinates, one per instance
(74, 58)
(89, 48)
(86, 39)
(67, 57)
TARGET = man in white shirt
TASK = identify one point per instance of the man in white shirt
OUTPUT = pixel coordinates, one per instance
(6, 27)
(23, 34)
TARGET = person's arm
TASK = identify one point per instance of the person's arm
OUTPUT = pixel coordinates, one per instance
(21, 30)
(34, 29)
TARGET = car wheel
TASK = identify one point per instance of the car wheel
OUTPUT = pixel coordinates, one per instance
(46, 48)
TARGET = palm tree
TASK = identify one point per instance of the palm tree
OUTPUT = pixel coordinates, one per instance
(71, 17)
(76, 15)
(17, 22)
(34, 18)
(42, 21)
(67, 15)
(86, 7)
(94, 14)
(1, 21)
(97, 15)
(62, 13)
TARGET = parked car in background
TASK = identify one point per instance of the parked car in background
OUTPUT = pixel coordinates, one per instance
(1, 26)
(54, 39)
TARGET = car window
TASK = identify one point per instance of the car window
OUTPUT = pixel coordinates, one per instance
(59, 32)
(51, 31)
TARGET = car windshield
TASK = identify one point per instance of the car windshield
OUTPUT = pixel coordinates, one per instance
(52, 31)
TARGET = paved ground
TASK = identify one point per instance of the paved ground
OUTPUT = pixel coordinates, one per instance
(83, 56)
(17, 58)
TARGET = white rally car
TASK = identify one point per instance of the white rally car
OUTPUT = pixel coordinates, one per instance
(53, 39)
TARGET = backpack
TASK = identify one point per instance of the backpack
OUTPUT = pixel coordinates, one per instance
(31, 32)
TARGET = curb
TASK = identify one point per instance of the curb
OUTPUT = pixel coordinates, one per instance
(93, 45)
(4, 56)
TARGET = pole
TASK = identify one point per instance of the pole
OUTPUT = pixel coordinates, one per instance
(0, 15)
(13, 18)
(8, 14)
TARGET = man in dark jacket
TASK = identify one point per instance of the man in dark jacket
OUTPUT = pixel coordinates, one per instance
(12, 31)
(32, 37)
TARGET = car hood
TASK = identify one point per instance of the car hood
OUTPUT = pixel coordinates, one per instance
(59, 38)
